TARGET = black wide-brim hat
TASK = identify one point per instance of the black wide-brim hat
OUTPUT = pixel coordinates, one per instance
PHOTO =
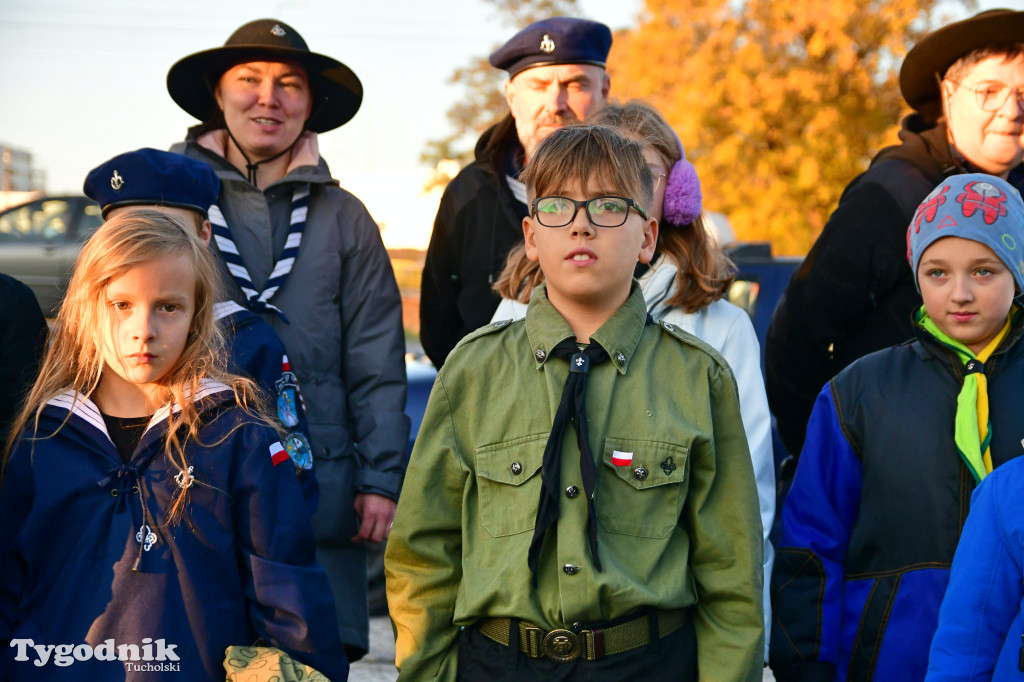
(337, 92)
(928, 61)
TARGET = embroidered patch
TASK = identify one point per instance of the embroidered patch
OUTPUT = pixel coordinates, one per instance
(622, 459)
(180, 479)
(300, 451)
(288, 398)
(277, 453)
(146, 538)
(984, 197)
(668, 466)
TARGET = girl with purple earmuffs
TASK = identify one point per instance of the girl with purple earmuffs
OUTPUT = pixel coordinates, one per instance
(684, 285)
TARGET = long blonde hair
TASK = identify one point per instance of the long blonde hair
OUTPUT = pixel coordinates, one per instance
(704, 273)
(74, 359)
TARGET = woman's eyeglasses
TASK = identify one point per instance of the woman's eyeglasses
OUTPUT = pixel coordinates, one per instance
(602, 211)
(992, 96)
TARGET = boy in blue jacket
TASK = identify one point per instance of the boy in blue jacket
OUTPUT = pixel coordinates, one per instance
(186, 188)
(982, 620)
(895, 446)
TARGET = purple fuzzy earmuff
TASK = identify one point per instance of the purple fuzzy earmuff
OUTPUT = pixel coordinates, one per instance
(682, 191)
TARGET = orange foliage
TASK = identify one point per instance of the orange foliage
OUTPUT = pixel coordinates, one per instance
(779, 104)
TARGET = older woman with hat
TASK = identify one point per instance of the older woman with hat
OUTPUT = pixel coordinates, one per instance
(853, 294)
(308, 257)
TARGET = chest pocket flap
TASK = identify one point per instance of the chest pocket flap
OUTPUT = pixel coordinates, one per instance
(508, 478)
(641, 487)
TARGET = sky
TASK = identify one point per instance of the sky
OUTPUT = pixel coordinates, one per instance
(81, 82)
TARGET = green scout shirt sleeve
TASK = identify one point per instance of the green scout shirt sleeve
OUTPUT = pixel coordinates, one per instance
(722, 519)
(423, 558)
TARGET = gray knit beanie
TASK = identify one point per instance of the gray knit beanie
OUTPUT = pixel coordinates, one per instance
(974, 206)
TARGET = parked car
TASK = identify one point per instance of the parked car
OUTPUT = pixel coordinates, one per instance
(761, 278)
(40, 240)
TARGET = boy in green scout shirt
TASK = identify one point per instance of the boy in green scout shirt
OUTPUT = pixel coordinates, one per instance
(580, 503)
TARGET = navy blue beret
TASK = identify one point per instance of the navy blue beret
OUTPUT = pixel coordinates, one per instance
(150, 176)
(559, 40)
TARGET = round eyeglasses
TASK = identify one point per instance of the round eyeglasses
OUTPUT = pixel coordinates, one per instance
(601, 211)
(992, 96)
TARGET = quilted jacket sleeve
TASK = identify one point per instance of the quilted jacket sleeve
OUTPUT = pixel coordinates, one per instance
(985, 586)
(807, 580)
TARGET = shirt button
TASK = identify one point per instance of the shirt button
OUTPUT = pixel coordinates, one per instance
(572, 491)
(540, 355)
(640, 473)
(571, 569)
(516, 468)
(620, 358)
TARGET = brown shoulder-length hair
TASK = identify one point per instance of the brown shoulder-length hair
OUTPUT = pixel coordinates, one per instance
(704, 272)
(74, 359)
(581, 154)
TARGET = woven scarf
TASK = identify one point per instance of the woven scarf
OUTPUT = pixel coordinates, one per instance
(258, 301)
(973, 431)
(571, 409)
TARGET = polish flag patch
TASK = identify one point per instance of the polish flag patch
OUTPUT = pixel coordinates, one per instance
(278, 454)
(285, 365)
(622, 459)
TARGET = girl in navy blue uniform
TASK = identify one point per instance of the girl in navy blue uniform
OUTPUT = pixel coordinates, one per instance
(143, 507)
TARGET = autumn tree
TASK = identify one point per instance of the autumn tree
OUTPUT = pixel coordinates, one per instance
(779, 104)
(483, 103)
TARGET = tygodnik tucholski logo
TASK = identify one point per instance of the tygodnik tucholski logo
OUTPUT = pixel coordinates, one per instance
(151, 656)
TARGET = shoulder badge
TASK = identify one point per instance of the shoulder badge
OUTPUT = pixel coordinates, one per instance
(300, 451)
(288, 396)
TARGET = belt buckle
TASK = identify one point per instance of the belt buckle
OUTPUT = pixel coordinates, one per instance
(561, 646)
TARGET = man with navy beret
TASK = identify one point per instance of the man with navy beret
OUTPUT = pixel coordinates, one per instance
(556, 70)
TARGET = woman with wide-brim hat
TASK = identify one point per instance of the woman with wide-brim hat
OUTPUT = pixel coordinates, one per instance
(308, 257)
(854, 293)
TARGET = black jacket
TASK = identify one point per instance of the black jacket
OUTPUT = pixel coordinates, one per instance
(854, 293)
(477, 224)
(22, 342)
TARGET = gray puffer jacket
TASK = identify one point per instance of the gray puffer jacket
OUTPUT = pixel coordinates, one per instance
(344, 332)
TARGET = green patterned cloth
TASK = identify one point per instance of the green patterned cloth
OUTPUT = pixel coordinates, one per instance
(266, 664)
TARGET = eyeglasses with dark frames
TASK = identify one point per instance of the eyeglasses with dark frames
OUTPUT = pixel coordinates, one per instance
(610, 211)
(992, 96)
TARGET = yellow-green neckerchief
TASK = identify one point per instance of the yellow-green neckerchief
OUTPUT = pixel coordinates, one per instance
(972, 431)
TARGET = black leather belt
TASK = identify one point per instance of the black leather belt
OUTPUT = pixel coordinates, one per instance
(564, 646)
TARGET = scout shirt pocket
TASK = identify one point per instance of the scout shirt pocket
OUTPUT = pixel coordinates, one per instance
(508, 478)
(640, 487)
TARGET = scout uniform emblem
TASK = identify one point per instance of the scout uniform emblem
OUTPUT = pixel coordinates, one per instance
(300, 451)
(146, 537)
(287, 395)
